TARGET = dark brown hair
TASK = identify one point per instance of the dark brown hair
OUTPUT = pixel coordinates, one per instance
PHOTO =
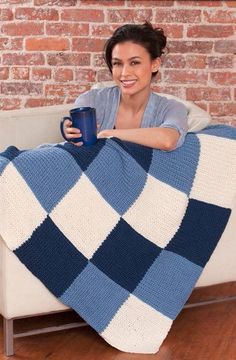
(152, 39)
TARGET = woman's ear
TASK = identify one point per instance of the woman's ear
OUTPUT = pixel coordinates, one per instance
(156, 63)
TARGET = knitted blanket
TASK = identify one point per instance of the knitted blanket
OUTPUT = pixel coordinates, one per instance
(117, 231)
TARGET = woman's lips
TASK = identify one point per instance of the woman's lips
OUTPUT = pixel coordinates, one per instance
(128, 83)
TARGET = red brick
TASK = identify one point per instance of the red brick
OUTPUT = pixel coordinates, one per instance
(63, 75)
(41, 74)
(6, 14)
(210, 31)
(104, 75)
(178, 15)
(172, 30)
(21, 88)
(223, 78)
(32, 102)
(9, 2)
(85, 75)
(149, 3)
(20, 73)
(196, 61)
(223, 109)
(174, 61)
(185, 77)
(65, 90)
(102, 30)
(67, 29)
(11, 43)
(82, 15)
(10, 103)
(225, 46)
(128, 15)
(21, 29)
(225, 120)
(230, 3)
(201, 3)
(183, 47)
(220, 16)
(4, 73)
(41, 44)
(98, 60)
(23, 59)
(220, 62)
(36, 14)
(55, 2)
(63, 59)
(87, 45)
(207, 93)
(103, 2)
(173, 90)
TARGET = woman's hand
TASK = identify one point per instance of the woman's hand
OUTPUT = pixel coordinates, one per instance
(106, 133)
(71, 132)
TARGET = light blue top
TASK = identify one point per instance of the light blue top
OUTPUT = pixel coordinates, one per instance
(159, 111)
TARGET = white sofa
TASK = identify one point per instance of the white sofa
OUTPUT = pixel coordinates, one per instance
(21, 294)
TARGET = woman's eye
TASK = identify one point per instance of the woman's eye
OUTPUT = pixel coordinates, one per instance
(115, 64)
(135, 62)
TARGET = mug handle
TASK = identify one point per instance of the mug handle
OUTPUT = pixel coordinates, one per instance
(62, 126)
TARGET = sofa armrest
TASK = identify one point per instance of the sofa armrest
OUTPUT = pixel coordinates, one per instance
(27, 128)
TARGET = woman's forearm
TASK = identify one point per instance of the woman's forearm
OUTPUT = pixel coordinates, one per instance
(157, 138)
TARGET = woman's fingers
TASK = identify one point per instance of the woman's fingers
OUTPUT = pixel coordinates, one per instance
(77, 144)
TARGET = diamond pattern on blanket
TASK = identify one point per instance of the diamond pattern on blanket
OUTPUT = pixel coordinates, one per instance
(18, 203)
(126, 250)
(86, 226)
(172, 277)
(140, 325)
(195, 229)
(119, 194)
(83, 155)
(163, 206)
(124, 256)
(206, 188)
(141, 154)
(95, 290)
(183, 160)
(220, 131)
(11, 152)
(51, 174)
(49, 255)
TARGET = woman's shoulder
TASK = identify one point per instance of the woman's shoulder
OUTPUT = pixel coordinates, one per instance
(166, 100)
(98, 95)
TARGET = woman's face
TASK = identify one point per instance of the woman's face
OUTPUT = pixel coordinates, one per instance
(132, 67)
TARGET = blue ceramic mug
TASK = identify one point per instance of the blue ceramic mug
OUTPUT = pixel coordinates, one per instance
(83, 118)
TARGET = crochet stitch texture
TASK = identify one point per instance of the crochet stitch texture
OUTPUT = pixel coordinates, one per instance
(118, 231)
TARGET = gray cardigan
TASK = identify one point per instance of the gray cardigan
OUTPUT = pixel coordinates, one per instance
(159, 111)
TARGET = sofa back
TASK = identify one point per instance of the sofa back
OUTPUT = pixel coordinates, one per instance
(27, 128)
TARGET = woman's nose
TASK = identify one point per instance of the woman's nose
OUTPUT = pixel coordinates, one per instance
(125, 69)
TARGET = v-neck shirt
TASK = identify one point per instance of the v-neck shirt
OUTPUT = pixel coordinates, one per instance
(159, 111)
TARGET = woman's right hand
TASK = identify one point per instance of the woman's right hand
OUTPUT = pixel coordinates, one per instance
(71, 132)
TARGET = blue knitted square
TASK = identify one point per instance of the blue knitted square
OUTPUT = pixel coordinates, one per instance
(113, 160)
(172, 277)
(125, 256)
(182, 162)
(50, 256)
(49, 172)
(92, 289)
(202, 227)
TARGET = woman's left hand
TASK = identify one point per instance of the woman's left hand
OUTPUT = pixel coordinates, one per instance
(105, 133)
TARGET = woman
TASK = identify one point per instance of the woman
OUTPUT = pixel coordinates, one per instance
(131, 111)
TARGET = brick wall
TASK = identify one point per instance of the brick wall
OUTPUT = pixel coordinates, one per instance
(50, 50)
